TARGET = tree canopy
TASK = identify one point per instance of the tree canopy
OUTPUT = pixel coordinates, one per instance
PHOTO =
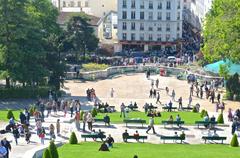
(222, 31)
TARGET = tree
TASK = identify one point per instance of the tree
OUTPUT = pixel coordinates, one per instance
(46, 154)
(10, 114)
(81, 34)
(221, 31)
(220, 119)
(233, 85)
(53, 150)
(73, 139)
(224, 71)
(234, 141)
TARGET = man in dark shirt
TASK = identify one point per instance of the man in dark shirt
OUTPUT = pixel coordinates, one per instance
(7, 145)
(104, 147)
(110, 141)
(125, 135)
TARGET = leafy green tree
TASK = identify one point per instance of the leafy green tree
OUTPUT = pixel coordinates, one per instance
(224, 71)
(234, 141)
(233, 85)
(221, 31)
(73, 139)
(46, 154)
(10, 114)
(81, 34)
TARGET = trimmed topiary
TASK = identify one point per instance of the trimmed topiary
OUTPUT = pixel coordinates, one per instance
(220, 119)
(205, 113)
(53, 150)
(46, 154)
(194, 109)
(73, 138)
(234, 141)
(81, 115)
(202, 113)
(10, 114)
(94, 112)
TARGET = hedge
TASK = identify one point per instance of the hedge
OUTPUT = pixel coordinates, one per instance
(25, 92)
(10, 114)
(93, 67)
(73, 139)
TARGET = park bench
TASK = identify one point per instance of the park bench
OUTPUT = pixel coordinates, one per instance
(133, 108)
(205, 138)
(100, 120)
(205, 123)
(187, 108)
(172, 138)
(167, 108)
(139, 137)
(85, 136)
(172, 123)
(133, 120)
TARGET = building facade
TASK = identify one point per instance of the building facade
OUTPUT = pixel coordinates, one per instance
(98, 8)
(149, 24)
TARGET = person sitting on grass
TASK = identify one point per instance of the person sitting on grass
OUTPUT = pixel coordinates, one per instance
(170, 118)
(106, 120)
(136, 136)
(103, 147)
(125, 136)
(110, 141)
(135, 156)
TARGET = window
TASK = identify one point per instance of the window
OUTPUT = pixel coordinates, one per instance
(150, 15)
(150, 28)
(150, 5)
(141, 15)
(133, 25)
(124, 15)
(141, 26)
(124, 4)
(124, 36)
(79, 3)
(159, 16)
(132, 15)
(178, 16)
(184, 7)
(168, 16)
(64, 4)
(71, 3)
(124, 26)
(159, 37)
(159, 5)
(150, 37)
(178, 35)
(167, 37)
(178, 26)
(86, 3)
(133, 36)
(141, 36)
(159, 27)
(168, 27)
(179, 5)
(168, 5)
(133, 4)
(142, 5)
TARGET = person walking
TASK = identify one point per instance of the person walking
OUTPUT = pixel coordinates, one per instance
(84, 120)
(52, 132)
(173, 95)
(189, 100)
(180, 103)
(42, 135)
(72, 108)
(27, 135)
(77, 120)
(151, 125)
(158, 98)
(122, 110)
(3, 151)
(7, 146)
(112, 93)
(58, 127)
(157, 83)
(16, 134)
(89, 121)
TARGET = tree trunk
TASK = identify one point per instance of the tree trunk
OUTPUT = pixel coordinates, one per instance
(7, 82)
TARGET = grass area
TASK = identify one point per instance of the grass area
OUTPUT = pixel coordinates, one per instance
(145, 150)
(93, 67)
(3, 114)
(188, 117)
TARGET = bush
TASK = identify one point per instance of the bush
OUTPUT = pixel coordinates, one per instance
(32, 109)
(220, 119)
(194, 109)
(73, 138)
(46, 154)
(10, 114)
(94, 112)
(234, 141)
(24, 92)
(202, 113)
(232, 85)
(93, 67)
(53, 150)
(205, 113)
(81, 115)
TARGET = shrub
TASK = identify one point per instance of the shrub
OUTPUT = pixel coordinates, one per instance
(10, 114)
(73, 138)
(81, 115)
(220, 119)
(46, 154)
(94, 112)
(205, 113)
(194, 109)
(234, 141)
(53, 150)
(202, 113)
(232, 85)
(93, 67)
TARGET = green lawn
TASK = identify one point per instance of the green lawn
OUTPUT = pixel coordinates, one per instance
(90, 150)
(188, 117)
(3, 115)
